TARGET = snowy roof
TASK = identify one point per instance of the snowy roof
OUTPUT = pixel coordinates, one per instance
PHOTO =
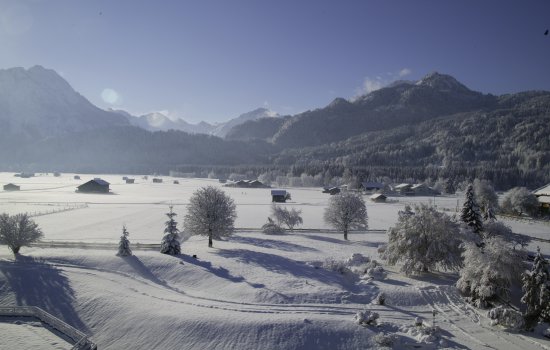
(543, 191)
(278, 192)
(101, 182)
(418, 186)
(377, 196)
(402, 186)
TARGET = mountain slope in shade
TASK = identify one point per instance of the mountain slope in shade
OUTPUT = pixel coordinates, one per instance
(223, 129)
(398, 104)
(38, 102)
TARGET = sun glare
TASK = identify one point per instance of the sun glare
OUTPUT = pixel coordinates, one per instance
(110, 96)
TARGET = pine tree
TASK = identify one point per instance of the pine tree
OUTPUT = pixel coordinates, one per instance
(170, 243)
(537, 292)
(470, 212)
(124, 244)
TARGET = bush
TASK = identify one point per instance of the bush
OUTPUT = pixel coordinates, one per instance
(506, 317)
(271, 228)
(386, 340)
(336, 266)
(366, 318)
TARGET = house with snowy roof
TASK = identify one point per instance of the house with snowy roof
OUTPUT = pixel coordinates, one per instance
(96, 185)
(543, 196)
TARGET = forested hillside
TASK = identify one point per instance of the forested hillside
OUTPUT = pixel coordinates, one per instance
(509, 145)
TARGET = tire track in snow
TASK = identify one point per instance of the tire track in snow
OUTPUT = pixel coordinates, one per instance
(465, 319)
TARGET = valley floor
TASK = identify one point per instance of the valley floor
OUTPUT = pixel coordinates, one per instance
(250, 291)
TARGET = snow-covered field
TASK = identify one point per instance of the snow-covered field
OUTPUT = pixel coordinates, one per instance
(250, 291)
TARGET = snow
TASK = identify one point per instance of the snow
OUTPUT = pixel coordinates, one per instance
(29, 333)
(251, 291)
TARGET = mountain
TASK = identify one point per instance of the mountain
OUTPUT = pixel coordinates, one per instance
(223, 129)
(157, 121)
(399, 104)
(38, 103)
(507, 144)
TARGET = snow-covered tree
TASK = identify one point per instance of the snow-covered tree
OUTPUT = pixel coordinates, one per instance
(470, 212)
(489, 271)
(346, 211)
(272, 228)
(210, 213)
(17, 231)
(486, 197)
(283, 216)
(499, 229)
(124, 244)
(424, 241)
(519, 200)
(536, 288)
(170, 243)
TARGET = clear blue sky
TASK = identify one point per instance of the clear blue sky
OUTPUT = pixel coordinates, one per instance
(213, 60)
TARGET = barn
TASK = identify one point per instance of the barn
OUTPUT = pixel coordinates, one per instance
(96, 185)
(279, 196)
(378, 198)
(543, 196)
(11, 187)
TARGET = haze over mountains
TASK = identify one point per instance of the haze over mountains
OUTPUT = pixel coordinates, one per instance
(423, 129)
(158, 121)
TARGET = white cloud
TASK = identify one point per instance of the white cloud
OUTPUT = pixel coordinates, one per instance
(404, 72)
(373, 84)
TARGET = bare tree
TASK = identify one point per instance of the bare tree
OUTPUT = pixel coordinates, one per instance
(17, 231)
(287, 217)
(346, 211)
(210, 213)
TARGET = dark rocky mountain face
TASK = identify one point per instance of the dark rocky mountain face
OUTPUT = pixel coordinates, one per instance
(39, 103)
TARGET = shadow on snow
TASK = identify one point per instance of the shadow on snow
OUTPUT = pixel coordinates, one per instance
(35, 283)
(272, 244)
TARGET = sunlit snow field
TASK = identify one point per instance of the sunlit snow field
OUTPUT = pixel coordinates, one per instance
(250, 291)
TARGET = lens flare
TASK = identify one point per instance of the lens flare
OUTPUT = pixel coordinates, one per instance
(110, 96)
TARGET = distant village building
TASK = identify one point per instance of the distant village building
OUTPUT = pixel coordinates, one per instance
(156, 180)
(247, 184)
(404, 189)
(11, 187)
(543, 196)
(76, 177)
(371, 186)
(24, 175)
(176, 182)
(130, 181)
(222, 181)
(96, 185)
(423, 190)
(125, 178)
(57, 174)
(378, 198)
(279, 196)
